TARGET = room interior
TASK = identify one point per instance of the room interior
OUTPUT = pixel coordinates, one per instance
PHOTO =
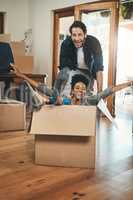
(35, 45)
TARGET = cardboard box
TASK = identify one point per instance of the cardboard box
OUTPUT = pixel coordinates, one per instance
(65, 136)
(24, 63)
(12, 115)
(18, 48)
(5, 37)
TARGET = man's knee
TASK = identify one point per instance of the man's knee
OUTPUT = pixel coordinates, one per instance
(61, 79)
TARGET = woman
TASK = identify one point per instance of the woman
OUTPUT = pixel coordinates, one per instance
(79, 94)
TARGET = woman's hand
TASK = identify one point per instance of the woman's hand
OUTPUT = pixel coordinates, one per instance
(59, 100)
(16, 71)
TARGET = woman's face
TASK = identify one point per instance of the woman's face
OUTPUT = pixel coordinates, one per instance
(79, 90)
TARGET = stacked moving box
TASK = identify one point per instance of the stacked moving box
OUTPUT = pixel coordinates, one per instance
(13, 113)
(23, 61)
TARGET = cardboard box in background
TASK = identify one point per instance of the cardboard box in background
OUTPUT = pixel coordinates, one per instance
(24, 63)
(5, 37)
(65, 136)
(18, 48)
(12, 115)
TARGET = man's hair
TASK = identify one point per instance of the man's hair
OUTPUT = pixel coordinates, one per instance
(79, 78)
(78, 24)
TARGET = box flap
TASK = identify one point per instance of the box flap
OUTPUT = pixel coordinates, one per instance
(70, 120)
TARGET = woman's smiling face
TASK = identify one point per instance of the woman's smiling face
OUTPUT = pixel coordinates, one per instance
(79, 90)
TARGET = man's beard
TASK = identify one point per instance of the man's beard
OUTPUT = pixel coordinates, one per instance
(78, 45)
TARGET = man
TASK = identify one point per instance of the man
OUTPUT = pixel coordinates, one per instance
(80, 53)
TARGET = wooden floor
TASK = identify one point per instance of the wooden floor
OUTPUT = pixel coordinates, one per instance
(21, 179)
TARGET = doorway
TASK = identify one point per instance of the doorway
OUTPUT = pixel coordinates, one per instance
(124, 98)
(62, 20)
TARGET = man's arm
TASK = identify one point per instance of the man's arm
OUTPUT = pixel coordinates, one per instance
(98, 62)
(67, 52)
(99, 78)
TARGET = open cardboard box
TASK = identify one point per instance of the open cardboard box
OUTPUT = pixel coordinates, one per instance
(65, 135)
(12, 115)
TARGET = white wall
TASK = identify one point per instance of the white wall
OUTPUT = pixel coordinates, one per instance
(42, 23)
(17, 17)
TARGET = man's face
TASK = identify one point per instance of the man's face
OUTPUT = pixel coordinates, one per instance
(78, 37)
(79, 90)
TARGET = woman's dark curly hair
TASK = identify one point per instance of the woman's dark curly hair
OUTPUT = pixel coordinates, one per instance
(78, 24)
(79, 78)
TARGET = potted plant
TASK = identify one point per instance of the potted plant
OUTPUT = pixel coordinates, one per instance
(126, 9)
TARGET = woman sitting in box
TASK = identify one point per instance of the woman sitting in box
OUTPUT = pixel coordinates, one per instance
(50, 96)
(79, 86)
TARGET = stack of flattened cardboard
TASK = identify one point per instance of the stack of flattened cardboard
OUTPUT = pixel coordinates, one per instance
(5, 37)
(12, 115)
(65, 136)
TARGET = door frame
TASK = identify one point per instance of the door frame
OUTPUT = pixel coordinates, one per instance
(2, 22)
(57, 15)
(114, 19)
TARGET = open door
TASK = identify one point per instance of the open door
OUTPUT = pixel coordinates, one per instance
(63, 18)
(101, 19)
